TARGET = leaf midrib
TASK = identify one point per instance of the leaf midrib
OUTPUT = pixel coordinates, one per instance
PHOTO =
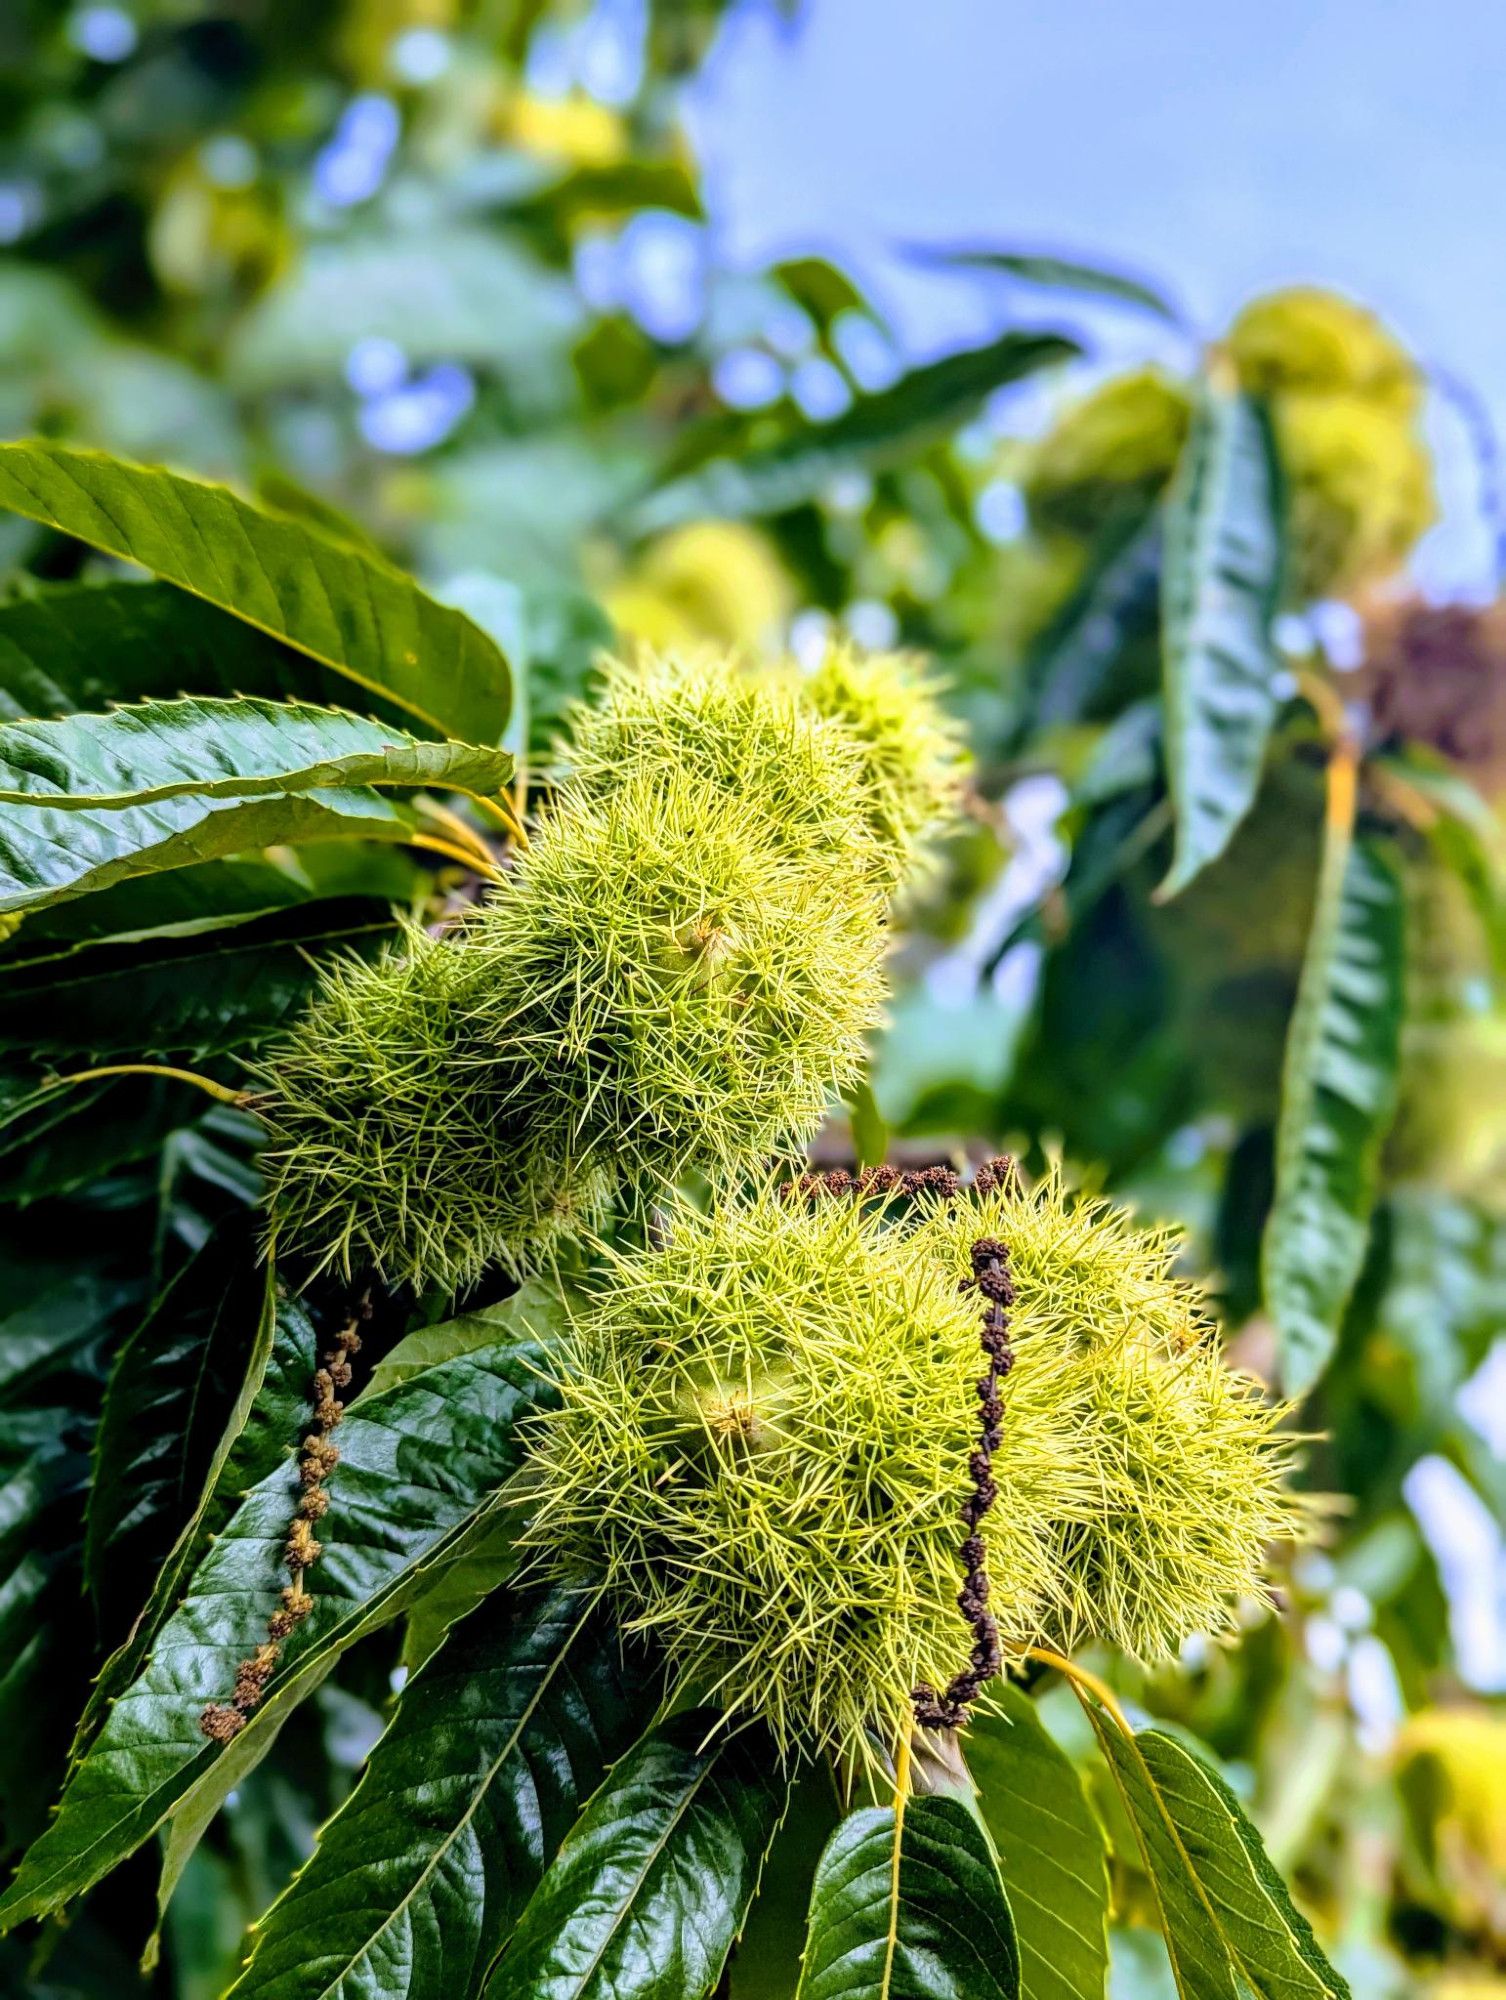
(546, 1680)
(1236, 1956)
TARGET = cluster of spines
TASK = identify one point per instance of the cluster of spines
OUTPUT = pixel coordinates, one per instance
(678, 975)
(317, 1458)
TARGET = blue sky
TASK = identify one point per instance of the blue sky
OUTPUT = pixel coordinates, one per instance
(1360, 143)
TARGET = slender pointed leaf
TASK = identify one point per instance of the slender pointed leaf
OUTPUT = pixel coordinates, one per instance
(1052, 1852)
(1230, 1926)
(334, 603)
(1337, 1096)
(1063, 274)
(260, 1435)
(216, 896)
(174, 1386)
(1220, 590)
(420, 1468)
(651, 1887)
(496, 1745)
(910, 1909)
(927, 403)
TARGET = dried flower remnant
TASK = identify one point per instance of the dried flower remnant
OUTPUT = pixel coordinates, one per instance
(317, 1459)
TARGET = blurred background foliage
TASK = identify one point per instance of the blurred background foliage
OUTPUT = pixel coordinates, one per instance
(438, 275)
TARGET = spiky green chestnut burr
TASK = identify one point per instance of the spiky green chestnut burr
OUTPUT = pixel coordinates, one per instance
(761, 1455)
(1320, 343)
(748, 736)
(666, 983)
(911, 750)
(1175, 1482)
(385, 1152)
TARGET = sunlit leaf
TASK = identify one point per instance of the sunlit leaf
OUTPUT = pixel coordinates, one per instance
(1230, 1925)
(1338, 1094)
(1050, 1846)
(358, 616)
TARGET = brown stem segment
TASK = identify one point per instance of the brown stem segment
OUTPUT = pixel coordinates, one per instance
(317, 1459)
(948, 1710)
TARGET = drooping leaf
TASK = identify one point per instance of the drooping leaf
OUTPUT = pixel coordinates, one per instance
(1337, 1095)
(355, 615)
(195, 996)
(927, 403)
(910, 1908)
(419, 1470)
(172, 1390)
(1051, 1849)
(1220, 590)
(1230, 1925)
(1062, 274)
(651, 1886)
(47, 854)
(198, 748)
(1464, 834)
(497, 1744)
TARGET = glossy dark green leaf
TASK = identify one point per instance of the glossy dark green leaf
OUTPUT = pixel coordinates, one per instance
(172, 1390)
(652, 1885)
(1337, 1096)
(259, 1436)
(71, 646)
(1230, 1925)
(1051, 1849)
(419, 1470)
(57, 1139)
(496, 1745)
(1062, 274)
(766, 1958)
(927, 403)
(47, 854)
(63, 1310)
(194, 996)
(199, 748)
(910, 1908)
(355, 615)
(1220, 589)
